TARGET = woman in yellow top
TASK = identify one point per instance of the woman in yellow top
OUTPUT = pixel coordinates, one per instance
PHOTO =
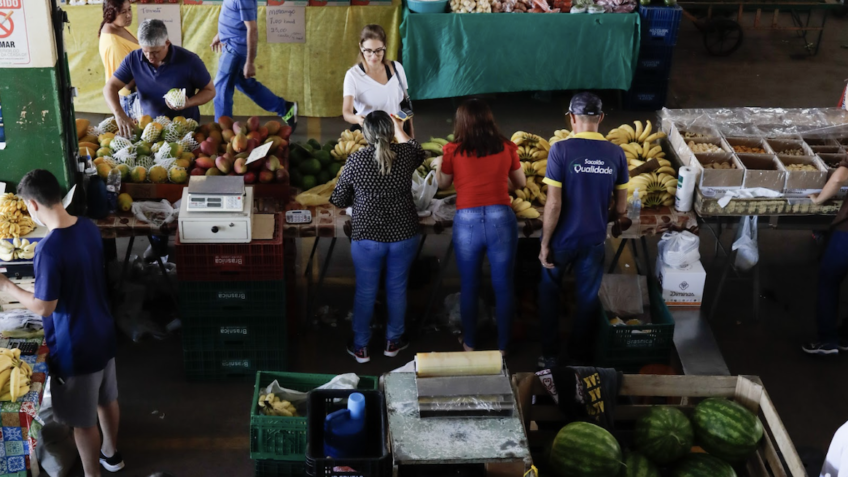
(116, 42)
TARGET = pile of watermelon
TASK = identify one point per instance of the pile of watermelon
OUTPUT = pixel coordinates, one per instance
(662, 442)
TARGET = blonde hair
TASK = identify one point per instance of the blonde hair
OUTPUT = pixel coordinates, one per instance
(379, 130)
(372, 32)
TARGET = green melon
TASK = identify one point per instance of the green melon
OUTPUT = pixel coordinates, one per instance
(726, 430)
(314, 144)
(637, 465)
(703, 465)
(324, 158)
(323, 177)
(581, 449)
(310, 167)
(664, 434)
(308, 182)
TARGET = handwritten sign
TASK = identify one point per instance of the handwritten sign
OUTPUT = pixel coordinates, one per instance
(169, 14)
(285, 24)
(259, 153)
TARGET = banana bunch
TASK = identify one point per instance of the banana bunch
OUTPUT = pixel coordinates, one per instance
(524, 209)
(625, 133)
(349, 142)
(435, 145)
(561, 135)
(535, 190)
(12, 206)
(531, 148)
(15, 375)
(655, 189)
(271, 405)
(17, 249)
(14, 218)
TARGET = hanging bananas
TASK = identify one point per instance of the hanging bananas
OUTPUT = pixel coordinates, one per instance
(561, 135)
(349, 142)
(655, 189)
(531, 148)
(626, 134)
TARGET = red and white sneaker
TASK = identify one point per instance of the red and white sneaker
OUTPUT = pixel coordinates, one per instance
(394, 347)
(360, 354)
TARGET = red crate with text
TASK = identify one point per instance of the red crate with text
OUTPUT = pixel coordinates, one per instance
(259, 260)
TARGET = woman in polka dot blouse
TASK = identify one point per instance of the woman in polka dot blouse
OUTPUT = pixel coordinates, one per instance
(377, 183)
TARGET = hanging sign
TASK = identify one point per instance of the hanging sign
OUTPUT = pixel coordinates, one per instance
(285, 23)
(169, 14)
(14, 44)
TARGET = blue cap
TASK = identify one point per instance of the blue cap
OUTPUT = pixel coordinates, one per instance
(586, 104)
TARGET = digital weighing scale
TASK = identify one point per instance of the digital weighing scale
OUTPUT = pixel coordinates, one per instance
(216, 209)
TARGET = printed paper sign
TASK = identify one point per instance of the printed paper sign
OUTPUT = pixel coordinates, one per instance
(169, 14)
(285, 24)
(260, 152)
(14, 44)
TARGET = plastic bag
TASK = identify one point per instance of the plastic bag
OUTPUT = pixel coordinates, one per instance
(298, 398)
(156, 213)
(624, 296)
(679, 249)
(318, 195)
(747, 252)
(424, 189)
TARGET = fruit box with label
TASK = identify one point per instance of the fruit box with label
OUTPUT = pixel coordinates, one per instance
(681, 287)
(775, 454)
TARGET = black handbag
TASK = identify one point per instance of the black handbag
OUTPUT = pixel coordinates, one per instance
(406, 102)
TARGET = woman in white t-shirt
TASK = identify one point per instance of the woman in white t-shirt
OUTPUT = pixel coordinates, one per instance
(374, 84)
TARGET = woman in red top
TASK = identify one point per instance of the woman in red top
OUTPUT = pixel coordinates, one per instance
(481, 162)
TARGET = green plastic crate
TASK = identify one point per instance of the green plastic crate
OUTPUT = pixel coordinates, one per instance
(279, 468)
(284, 438)
(228, 299)
(237, 332)
(630, 347)
(231, 364)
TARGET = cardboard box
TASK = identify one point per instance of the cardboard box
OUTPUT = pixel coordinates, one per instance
(815, 140)
(781, 146)
(748, 142)
(803, 183)
(681, 287)
(718, 179)
(831, 162)
(763, 170)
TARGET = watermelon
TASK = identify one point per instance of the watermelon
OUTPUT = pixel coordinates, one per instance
(637, 465)
(581, 449)
(703, 465)
(664, 434)
(726, 430)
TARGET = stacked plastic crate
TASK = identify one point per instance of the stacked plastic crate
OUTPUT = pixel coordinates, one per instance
(233, 307)
(660, 26)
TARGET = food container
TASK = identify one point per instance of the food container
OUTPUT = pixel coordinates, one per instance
(783, 146)
(763, 170)
(712, 181)
(803, 183)
(750, 143)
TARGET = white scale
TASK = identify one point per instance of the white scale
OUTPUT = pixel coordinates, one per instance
(216, 209)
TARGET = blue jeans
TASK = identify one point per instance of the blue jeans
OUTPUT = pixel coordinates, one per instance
(588, 263)
(369, 258)
(492, 231)
(231, 76)
(832, 271)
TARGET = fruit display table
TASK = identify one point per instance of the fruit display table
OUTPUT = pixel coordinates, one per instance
(472, 54)
(21, 427)
(311, 73)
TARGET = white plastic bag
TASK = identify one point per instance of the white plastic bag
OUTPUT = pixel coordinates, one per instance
(424, 189)
(298, 398)
(747, 252)
(679, 249)
(156, 213)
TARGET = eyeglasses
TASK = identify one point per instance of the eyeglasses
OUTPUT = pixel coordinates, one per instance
(378, 51)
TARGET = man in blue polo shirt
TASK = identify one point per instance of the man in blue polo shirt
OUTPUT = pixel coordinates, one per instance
(584, 174)
(157, 67)
(70, 293)
(237, 41)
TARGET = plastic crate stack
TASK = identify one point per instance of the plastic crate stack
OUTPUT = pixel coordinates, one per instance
(649, 89)
(277, 443)
(233, 308)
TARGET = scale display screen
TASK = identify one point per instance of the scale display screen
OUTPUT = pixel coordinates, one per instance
(215, 203)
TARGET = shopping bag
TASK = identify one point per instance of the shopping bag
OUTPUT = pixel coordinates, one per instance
(679, 249)
(747, 252)
(424, 189)
(156, 213)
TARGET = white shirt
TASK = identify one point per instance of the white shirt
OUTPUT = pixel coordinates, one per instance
(836, 463)
(369, 95)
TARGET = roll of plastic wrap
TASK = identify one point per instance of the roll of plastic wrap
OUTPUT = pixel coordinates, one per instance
(473, 363)
(685, 189)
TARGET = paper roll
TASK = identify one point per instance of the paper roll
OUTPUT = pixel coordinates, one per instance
(685, 189)
(473, 363)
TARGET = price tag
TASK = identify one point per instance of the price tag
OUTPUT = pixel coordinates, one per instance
(169, 14)
(260, 152)
(285, 24)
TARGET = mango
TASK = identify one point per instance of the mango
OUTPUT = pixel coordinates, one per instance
(213, 172)
(228, 135)
(253, 123)
(239, 128)
(223, 165)
(239, 143)
(138, 174)
(125, 171)
(204, 163)
(240, 166)
(177, 175)
(158, 174)
(144, 121)
(103, 170)
(255, 136)
(225, 122)
(182, 163)
(273, 127)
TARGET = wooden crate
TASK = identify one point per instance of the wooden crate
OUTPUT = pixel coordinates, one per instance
(776, 456)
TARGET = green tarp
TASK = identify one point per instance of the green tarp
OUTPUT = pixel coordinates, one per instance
(448, 54)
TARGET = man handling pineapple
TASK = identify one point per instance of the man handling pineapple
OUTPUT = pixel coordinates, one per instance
(171, 81)
(237, 41)
(583, 174)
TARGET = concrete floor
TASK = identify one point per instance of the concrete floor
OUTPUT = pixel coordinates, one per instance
(202, 429)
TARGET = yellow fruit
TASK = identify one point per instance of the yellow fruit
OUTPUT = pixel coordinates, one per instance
(177, 175)
(82, 127)
(125, 171)
(138, 174)
(158, 174)
(144, 121)
(103, 170)
(182, 163)
(125, 202)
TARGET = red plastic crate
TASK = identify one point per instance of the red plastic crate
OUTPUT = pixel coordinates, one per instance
(259, 260)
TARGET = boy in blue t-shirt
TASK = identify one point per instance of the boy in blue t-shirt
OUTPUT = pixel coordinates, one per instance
(583, 175)
(70, 293)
